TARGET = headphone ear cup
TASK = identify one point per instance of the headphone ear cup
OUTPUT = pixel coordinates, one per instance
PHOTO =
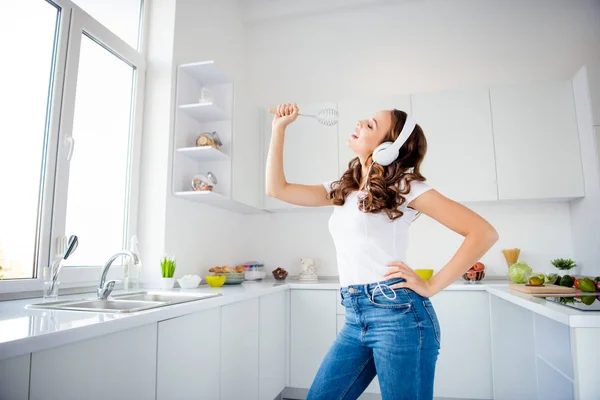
(383, 157)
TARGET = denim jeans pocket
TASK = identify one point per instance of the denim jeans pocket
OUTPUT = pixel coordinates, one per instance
(433, 317)
(400, 302)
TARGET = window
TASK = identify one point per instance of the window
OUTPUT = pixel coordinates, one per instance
(24, 99)
(70, 131)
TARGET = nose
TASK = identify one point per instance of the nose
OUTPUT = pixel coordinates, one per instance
(359, 123)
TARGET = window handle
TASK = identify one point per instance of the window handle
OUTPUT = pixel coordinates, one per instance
(71, 142)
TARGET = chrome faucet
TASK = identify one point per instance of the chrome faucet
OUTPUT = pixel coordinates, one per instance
(104, 288)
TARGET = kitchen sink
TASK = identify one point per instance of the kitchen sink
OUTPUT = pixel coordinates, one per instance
(124, 303)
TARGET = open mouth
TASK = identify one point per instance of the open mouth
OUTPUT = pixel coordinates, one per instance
(354, 136)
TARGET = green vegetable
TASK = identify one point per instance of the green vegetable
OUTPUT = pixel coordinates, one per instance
(587, 285)
(596, 279)
(588, 300)
(552, 279)
(567, 281)
(167, 266)
(564, 264)
(518, 272)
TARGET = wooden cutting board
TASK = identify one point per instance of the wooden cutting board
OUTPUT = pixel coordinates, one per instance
(545, 289)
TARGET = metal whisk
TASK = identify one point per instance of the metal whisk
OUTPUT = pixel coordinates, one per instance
(327, 116)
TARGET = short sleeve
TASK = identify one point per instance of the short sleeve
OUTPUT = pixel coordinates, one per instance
(328, 186)
(417, 188)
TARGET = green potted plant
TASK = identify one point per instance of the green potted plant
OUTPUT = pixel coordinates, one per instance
(167, 267)
(564, 264)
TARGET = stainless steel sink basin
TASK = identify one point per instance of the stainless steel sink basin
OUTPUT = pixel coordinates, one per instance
(125, 303)
(170, 297)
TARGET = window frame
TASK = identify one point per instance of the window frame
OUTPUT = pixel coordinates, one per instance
(72, 24)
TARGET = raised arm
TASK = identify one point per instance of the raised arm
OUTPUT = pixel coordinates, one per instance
(276, 184)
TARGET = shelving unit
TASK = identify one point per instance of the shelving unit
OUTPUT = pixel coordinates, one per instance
(192, 119)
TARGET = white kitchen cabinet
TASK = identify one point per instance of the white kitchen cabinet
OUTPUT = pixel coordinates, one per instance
(464, 318)
(460, 161)
(536, 140)
(313, 330)
(310, 154)
(14, 378)
(351, 111)
(513, 351)
(239, 350)
(272, 333)
(188, 356)
(120, 365)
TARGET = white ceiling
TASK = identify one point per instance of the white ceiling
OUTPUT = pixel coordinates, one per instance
(262, 10)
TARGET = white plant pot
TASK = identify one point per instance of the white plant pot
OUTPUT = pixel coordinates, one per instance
(167, 283)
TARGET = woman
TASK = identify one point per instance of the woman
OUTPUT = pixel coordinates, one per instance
(391, 328)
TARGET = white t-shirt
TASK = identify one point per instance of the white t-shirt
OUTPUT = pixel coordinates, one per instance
(365, 243)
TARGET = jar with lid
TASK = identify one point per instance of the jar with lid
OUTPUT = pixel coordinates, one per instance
(254, 272)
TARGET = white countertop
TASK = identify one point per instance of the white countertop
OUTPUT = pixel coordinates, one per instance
(25, 330)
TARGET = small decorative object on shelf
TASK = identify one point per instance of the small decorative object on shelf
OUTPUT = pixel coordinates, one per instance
(204, 183)
(209, 139)
(167, 267)
(308, 270)
(206, 96)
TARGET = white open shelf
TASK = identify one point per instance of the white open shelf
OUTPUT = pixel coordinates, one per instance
(218, 200)
(206, 112)
(205, 153)
(206, 72)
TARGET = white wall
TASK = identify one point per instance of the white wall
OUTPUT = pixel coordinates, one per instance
(585, 213)
(419, 47)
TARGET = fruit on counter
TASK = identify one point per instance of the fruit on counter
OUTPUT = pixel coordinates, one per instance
(587, 285)
(596, 279)
(598, 286)
(519, 271)
(576, 283)
(478, 266)
(552, 279)
(280, 274)
(567, 281)
(536, 280)
(588, 300)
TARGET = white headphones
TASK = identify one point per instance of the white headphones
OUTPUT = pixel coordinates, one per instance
(387, 152)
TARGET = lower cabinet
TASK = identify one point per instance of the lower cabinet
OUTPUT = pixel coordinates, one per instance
(189, 356)
(464, 368)
(313, 330)
(14, 378)
(120, 365)
(272, 344)
(239, 350)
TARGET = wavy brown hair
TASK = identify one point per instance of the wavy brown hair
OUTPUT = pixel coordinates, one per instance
(387, 186)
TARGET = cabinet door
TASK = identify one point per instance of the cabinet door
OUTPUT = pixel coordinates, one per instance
(353, 110)
(188, 356)
(460, 160)
(239, 350)
(313, 323)
(464, 318)
(14, 378)
(310, 154)
(537, 143)
(271, 359)
(118, 366)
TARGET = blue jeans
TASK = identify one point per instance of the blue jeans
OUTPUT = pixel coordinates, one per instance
(398, 340)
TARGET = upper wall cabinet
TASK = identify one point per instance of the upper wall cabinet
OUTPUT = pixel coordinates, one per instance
(204, 104)
(537, 144)
(460, 160)
(353, 110)
(310, 153)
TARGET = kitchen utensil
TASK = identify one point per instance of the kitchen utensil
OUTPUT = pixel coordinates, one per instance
(511, 255)
(327, 116)
(215, 280)
(543, 289)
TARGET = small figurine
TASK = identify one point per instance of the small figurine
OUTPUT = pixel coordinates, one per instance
(308, 270)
